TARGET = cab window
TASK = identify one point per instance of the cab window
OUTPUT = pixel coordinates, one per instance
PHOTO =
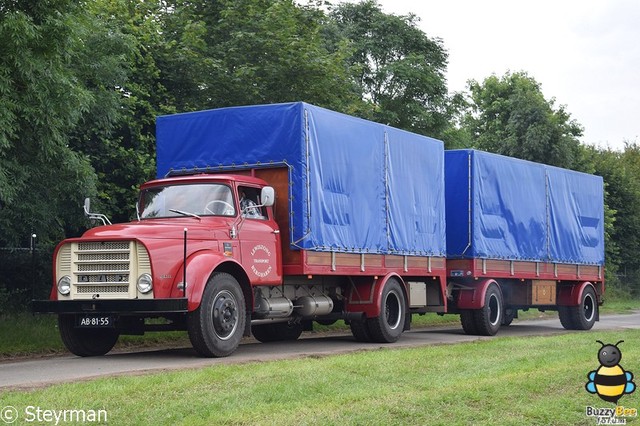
(250, 203)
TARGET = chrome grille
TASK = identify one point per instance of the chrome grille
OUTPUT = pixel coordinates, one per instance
(104, 268)
(143, 260)
(101, 257)
(101, 289)
(103, 245)
(64, 258)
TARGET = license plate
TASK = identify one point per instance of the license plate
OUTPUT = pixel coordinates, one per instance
(95, 321)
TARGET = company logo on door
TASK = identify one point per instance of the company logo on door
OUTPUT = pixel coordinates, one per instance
(261, 256)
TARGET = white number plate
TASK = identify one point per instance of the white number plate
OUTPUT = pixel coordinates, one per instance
(95, 321)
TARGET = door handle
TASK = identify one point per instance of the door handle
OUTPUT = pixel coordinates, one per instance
(277, 231)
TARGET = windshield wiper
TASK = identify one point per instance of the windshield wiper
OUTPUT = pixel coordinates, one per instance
(185, 213)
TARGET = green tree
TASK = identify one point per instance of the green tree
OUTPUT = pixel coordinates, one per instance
(44, 95)
(603, 163)
(510, 116)
(119, 134)
(237, 52)
(621, 172)
(398, 69)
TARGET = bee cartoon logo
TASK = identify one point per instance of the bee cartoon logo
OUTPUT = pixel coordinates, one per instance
(610, 381)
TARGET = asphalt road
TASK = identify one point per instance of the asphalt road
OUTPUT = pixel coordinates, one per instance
(50, 370)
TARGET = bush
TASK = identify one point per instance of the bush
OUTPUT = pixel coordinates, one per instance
(24, 275)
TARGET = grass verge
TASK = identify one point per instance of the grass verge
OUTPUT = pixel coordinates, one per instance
(533, 380)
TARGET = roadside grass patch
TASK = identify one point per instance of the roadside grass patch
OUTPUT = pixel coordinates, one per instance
(531, 380)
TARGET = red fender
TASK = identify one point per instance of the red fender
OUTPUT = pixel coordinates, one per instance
(571, 295)
(473, 298)
(365, 294)
(200, 265)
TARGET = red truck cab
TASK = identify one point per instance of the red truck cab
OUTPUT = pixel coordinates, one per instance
(115, 276)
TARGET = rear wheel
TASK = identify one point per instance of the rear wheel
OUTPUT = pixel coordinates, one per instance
(468, 321)
(216, 327)
(360, 330)
(262, 333)
(388, 327)
(276, 332)
(508, 316)
(582, 316)
(85, 341)
(566, 317)
(489, 317)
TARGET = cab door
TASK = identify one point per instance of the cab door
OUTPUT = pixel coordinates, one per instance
(259, 238)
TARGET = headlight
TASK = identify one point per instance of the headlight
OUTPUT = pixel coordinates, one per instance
(64, 285)
(145, 283)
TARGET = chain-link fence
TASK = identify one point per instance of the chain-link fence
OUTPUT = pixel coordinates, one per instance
(626, 282)
(25, 274)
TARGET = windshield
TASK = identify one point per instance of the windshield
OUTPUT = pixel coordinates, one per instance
(190, 200)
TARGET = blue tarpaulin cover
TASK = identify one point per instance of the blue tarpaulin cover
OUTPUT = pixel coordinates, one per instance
(503, 208)
(356, 185)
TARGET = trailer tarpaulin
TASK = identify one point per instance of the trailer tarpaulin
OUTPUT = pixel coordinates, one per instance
(576, 216)
(503, 208)
(356, 185)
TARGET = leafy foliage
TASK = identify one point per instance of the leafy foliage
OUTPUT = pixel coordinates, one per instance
(621, 172)
(122, 147)
(399, 70)
(41, 102)
(510, 116)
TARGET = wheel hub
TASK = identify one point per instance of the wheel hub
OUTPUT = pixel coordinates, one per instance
(225, 315)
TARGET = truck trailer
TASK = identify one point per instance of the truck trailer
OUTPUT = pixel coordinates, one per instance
(522, 235)
(265, 219)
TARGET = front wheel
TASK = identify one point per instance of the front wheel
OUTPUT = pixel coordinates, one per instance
(582, 316)
(388, 327)
(85, 342)
(216, 327)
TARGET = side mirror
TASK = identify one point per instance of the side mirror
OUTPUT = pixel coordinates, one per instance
(94, 216)
(267, 196)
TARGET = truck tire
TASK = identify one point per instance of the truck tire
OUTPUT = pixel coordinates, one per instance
(566, 318)
(216, 327)
(508, 316)
(262, 333)
(360, 330)
(583, 316)
(84, 341)
(468, 321)
(277, 332)
(489, 318)
(388, 327)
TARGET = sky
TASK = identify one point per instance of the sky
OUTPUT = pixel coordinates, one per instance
(585, 54)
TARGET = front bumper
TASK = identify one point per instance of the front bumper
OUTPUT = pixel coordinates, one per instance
(135, 306)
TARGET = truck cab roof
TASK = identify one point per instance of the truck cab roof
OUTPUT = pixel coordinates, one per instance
(205, 178)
